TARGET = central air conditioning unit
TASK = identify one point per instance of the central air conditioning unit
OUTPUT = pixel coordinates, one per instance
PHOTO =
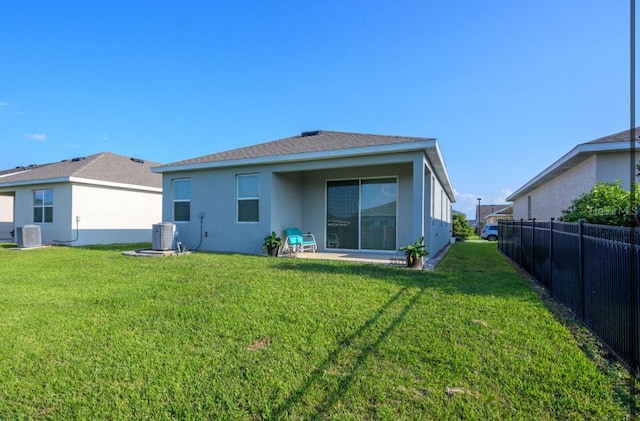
(28, 236)
(162, 236)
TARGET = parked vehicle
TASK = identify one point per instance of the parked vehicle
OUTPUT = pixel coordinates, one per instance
(489, 232)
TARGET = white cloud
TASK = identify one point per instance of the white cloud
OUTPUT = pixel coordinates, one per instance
(466, 203)
(464, 196)
(104, 137)
(3, 104)
(38, 137)
(504, 193)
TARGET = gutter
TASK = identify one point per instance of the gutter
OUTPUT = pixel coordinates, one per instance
(579, 153)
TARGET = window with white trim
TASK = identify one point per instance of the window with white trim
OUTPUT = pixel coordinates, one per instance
(43, 206)
(182, 200)
(248, 190)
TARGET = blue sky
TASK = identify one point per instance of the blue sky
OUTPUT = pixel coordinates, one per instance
(507, 87)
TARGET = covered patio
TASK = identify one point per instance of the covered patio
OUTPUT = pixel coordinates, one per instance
(391, 259)
(353, 256)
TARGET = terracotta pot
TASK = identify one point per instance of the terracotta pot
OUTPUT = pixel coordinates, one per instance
(416, 264)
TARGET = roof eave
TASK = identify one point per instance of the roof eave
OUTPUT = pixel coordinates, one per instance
(435, 158)
(80, 180)
(300, 157)
(35, 182)
(126, 186)
(499, 212)
(575, 156)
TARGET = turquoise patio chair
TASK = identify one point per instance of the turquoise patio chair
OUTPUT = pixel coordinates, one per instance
(297, 242)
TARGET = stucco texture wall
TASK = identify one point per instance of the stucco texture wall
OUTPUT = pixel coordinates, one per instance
(58, 229)
(615, 166)
(294, 194)
(112, 215)
(549, 200)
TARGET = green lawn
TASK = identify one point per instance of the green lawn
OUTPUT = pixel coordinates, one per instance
(87, 333)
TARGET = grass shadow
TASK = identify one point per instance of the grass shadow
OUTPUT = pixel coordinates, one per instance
(455, 274)
(358, 342)
(404, 276)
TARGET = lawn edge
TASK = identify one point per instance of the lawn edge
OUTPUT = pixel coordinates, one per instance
(594, 349)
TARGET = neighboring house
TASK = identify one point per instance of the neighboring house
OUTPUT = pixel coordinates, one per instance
(549, 193)
(6, 211)
(485, 210)
(99, 199)
(367, 192)
(504, 214)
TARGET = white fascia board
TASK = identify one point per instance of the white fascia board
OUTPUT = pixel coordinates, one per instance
(498, 212)
(126, 186)
(80, 181)
(586, 149)
(12, 173)
(434, 157)
(308, 156)
(35, 182)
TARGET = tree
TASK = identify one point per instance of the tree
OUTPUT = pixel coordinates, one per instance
(605, 204)
(460, 226)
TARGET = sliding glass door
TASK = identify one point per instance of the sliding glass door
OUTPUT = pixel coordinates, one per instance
(361, 214)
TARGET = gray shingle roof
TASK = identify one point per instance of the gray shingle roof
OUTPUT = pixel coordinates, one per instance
(103, 166)
(623, 136)
(316, 141)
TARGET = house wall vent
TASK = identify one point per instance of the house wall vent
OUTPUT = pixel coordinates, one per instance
(162, 236)
(311, 133)
(28, 236)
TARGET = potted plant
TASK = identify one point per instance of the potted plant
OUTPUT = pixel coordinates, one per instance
(272, 244)
(414, 253)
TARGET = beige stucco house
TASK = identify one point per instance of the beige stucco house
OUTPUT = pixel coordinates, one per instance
(354, 192)
(98, 199)
(606, 159)
(503, 214)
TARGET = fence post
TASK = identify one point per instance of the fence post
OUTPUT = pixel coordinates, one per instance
(533, 249)
(551, 256)
(581, 266)
(520, 248)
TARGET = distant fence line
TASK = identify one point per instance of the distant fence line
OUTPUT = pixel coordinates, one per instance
(592, 269)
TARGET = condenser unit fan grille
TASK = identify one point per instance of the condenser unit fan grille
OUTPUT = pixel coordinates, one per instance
(28, 236)
(162, 236)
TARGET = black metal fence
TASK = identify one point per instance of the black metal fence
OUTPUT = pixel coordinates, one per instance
(592, 269)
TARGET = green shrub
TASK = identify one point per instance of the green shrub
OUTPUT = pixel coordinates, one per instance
(460, 226)
(605, 204)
